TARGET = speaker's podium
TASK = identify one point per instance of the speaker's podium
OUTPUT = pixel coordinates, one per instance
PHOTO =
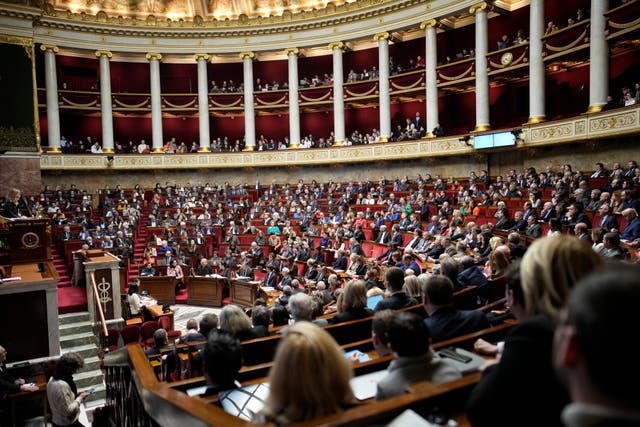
(105, 270)
(28, 290)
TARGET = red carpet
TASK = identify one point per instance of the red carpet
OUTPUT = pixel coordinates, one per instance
(71, 299)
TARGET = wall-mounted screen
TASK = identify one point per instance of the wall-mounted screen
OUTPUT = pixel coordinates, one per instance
(492, 140)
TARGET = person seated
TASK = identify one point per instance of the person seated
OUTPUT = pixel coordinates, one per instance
(631, 232)
(415, 361)
(269, 280)
(380, 332)
(133, 299)
(470, 274)
(320, 361)
(354, 303)
(302, 308)
(444, 320)
(408, 263)
(8, 383)
(192, 333)
(204, 269)
(245, 270)
(393, 281)
(341, 261)
(602, 388)
(161, 348)
(285, 279)
(148, 270)
(260, 319)
(234, 321)
(221, 362)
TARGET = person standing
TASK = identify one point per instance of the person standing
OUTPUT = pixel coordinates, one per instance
(62, 392)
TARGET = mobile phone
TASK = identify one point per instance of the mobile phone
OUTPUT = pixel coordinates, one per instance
(90, 391)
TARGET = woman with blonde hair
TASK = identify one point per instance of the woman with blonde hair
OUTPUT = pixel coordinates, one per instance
(234, 321)
(412, 286)
(318, 360)
(352, 303)
(536, 292)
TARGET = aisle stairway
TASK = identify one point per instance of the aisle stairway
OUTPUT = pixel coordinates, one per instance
(70, 299)
(76, 334)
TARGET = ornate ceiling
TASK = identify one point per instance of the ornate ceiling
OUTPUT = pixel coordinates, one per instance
(187, 9)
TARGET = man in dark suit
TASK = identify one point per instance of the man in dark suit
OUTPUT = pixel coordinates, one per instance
(607, 221)
(383, 235)
(445, 321)
(534, 229)
(270, 278)
(245, 270)
(393, 281)
(341, 261)
(9, 384)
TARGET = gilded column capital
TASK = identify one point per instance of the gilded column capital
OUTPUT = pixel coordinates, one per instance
(49, 48)
(153, 55)
(249, 55)
(482, 6)
(105, 53)
(292, 51)
(382, 36)
(431, 23)
(201, 56)
(337, 45)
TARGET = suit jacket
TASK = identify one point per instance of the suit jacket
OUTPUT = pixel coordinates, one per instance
(523, 375)
(7, 383)
(345, 316)
(608, 222)
(383, 237)
(341, 263)
(534, 230)
(631, 231)
(270, 280)
(245, 272)
(396, 239)
(395, 301)
(284, 281)
(448, 322)
(404, 371)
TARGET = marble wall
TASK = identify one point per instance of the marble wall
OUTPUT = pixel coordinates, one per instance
(20, 170)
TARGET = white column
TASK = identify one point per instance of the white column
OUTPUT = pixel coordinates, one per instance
(599, 57)
(203, 102)
(383, 85)
(156, 102)
(249, 113)
(105, 100)
(338, 93)
(536, 63)
(51, 83)
(294, 105)
(482, 76)
(431, 77)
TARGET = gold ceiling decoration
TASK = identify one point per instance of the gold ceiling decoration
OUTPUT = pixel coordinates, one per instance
(188, 9)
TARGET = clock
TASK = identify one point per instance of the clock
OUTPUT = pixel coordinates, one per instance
(506, 58)
(30, 240)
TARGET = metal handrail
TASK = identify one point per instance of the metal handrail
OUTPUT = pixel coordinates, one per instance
(97, 302)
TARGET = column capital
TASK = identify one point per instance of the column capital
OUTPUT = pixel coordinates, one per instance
(201, 56)
(337, 45)
(292, 51)
(153, 55)
(382, 36)
(431, 23)
(482, 6)
(249, 55)
(49, 48)
(105, 53)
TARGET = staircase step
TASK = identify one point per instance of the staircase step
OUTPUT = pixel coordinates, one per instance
(75, 328)
(73, 340)
(90, 364)
(82, 316)
(87, 351)
(88, 379)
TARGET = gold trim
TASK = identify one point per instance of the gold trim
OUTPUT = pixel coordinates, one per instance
(49, 47)
(483, 6)
(595, 108)
(204, 149)
(533, 120)
(293, 146)
(153, 55)
(382, 36)
(108, 150)
(569, 46)
(250, 55)
(157, 150)
(54, 150)
(338, 143)
(199, 56)
(101, 53)
(481, 128)
(431, 23)
(429, 135)
(337, 45)
(249, 148)
(459, 76)
(383, 138)
(292, 51)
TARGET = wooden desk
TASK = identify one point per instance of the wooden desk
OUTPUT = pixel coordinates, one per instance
(244, 293)
(156, 313)
(206, 291)
(15, 398)
(162, 288)
(270, 296)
